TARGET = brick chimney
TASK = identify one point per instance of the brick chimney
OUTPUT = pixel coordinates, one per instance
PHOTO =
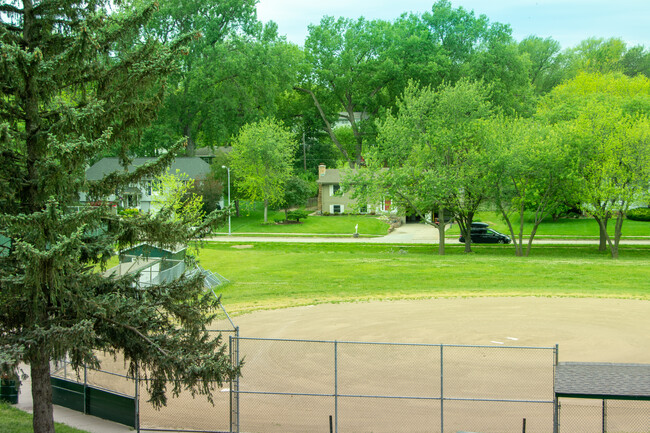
(321, 170)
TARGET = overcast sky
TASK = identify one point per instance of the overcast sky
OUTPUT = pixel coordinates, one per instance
(567, 21)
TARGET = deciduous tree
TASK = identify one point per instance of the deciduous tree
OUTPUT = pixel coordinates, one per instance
(262, 161)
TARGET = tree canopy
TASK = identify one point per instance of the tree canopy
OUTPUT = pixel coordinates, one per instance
(78, 78)
(261, 161)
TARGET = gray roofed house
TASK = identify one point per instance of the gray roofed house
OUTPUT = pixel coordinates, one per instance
(140, 196)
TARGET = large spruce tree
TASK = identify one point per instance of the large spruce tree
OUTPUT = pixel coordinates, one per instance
(75, 78)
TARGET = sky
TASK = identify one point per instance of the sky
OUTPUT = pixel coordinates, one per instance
(566, 21)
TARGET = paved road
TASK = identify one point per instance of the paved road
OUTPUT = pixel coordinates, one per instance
(406, 234)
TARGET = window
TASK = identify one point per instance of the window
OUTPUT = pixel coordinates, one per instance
(363, 209)
(336, 208)
(131, 200)
(335, 190)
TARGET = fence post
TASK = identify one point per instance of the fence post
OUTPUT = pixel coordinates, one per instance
(442, 395)
(604, 416)
(234, 383)
(556, 405)
(336, 387)
(85, 390)
(137, 397)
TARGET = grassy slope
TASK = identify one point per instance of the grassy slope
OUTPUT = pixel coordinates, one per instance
(13, 420)
(280, 275)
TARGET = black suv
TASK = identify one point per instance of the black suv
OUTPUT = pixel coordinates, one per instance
(481, 234)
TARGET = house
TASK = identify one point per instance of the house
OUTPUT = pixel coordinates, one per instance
(333, 200)
(141, 195)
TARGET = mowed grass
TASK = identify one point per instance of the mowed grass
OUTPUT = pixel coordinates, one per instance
(562, 228)
(268, 275)
(251, 221)
(14, 420)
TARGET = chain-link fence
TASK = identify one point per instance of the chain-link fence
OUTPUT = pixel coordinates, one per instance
(304, 385)
(187, 413)
(603, 416)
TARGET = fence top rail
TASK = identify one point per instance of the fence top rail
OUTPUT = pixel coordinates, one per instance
(295, 340)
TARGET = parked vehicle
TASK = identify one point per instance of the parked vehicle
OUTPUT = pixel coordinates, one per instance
(486, 236)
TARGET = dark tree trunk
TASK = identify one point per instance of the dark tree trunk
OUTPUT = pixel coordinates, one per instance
(191, 145)
(602, 230)
(43, 421)
(237, 208)
(266, 211)
(441, 231)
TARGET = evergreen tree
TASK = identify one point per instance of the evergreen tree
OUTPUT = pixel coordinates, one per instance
(77, 77)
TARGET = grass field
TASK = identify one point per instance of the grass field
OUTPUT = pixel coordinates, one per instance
(269, 276)
(13, 420)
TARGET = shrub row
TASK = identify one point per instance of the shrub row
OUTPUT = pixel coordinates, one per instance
(639, 214)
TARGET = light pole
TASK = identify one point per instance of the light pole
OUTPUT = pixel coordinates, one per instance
(228, 168)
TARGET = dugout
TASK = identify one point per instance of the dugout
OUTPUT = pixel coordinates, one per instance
(602, 397)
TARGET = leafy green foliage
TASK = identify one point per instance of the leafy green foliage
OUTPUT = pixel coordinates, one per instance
(598, 116)
(639, 214)
(173, 196)
(261, 160)
(297, 215)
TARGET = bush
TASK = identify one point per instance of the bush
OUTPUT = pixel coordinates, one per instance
(639, 214)
(127, 213)
(297, 215)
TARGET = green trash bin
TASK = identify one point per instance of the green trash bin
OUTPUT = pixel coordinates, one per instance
(9, 391)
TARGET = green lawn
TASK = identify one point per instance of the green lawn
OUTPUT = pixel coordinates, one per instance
(269, 275)
(252, 218)
(563, 228)
(14, 420)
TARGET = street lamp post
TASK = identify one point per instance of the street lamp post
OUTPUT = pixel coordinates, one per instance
(228, 168)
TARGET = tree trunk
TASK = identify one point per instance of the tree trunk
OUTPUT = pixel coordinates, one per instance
(465, 223)
(441, 231)
(237, 208)
(304, 152)
(43, 421)
(328, 126)
(266, 211)
(191, 145)
(532, 236)
(618, 230)
(602, 228)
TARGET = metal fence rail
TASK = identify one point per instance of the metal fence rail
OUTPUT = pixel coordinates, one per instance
(296, 385)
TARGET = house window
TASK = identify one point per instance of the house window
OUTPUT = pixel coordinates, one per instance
(131, 200)
(363, 209)
(335, 190)
(336, 208)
